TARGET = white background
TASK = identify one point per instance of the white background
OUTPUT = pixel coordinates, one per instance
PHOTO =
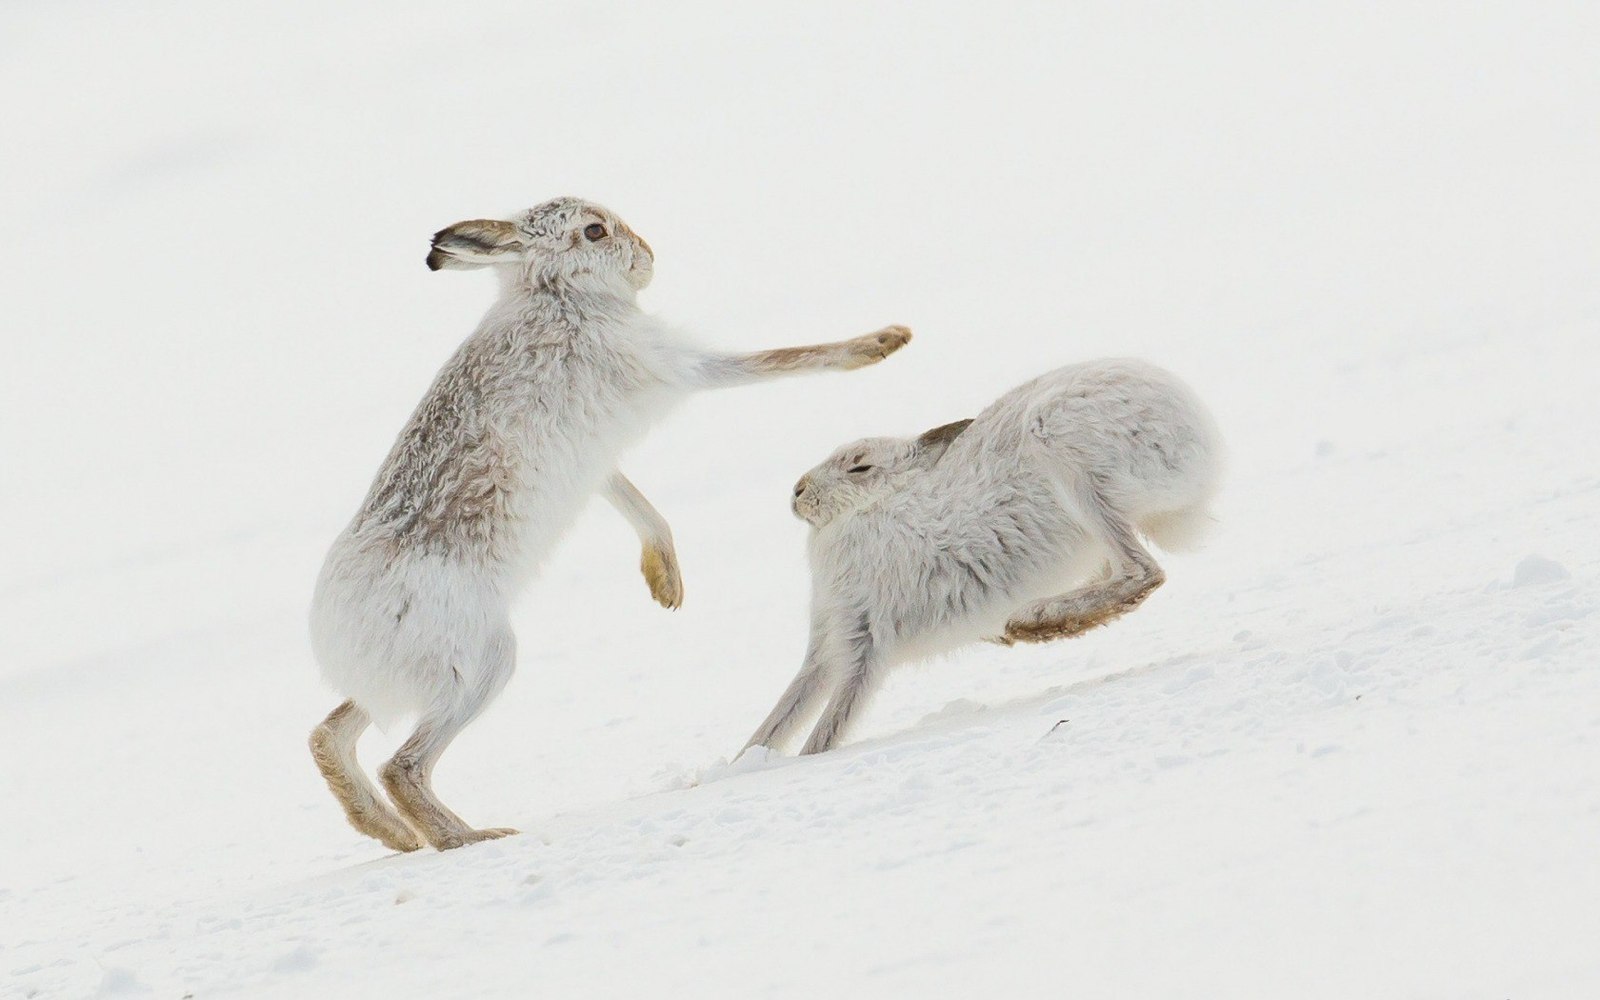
(1348, 749)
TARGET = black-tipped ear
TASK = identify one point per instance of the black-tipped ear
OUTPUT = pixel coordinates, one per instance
(933, 443)
(474, 243)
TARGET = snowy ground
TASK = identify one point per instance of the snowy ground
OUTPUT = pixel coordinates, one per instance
(1352, 749)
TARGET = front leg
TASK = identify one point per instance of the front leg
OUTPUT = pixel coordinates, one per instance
(1131, 574)
(658, 560)
(862, 673)
(719, 371)
(800, 700)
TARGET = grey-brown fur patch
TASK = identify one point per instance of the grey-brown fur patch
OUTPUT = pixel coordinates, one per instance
(786, 359)
(944, 433)
(448, 479)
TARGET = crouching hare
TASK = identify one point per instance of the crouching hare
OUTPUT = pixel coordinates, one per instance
(1020, 525)
(521, 426)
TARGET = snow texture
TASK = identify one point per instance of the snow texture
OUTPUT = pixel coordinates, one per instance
(1352, 748)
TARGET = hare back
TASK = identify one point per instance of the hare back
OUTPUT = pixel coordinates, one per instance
(1138, 433)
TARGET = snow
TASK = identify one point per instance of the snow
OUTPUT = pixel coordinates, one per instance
(1348, 749)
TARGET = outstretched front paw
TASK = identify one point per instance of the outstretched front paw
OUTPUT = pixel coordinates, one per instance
(660, 568)
(874, 347)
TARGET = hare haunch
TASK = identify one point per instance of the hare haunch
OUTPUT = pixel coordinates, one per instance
(1021, 524)
(521, 426)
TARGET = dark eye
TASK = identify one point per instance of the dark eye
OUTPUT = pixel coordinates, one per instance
(594, 232)
(861, 468)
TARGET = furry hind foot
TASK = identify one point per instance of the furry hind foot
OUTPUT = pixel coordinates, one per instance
(1074, 614)
(478, 836)
(408, 777)
(1044, 623)
(449, 840)
(333, 747)
(404, 841)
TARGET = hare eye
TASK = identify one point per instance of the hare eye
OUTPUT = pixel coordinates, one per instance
(594, 232)
(861, 468)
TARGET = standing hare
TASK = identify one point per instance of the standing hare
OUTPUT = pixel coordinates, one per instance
(521, 426)
(996, 526)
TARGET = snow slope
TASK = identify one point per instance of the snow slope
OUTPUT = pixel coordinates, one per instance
(1353, 748)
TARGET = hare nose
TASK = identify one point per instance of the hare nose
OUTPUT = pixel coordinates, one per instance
(799, 487)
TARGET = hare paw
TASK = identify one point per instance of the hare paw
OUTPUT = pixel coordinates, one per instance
(476, 836)
(660, 569)
(874, 347)
(1049, 620)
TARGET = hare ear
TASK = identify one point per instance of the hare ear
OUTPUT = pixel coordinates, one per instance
(474, 243)
(931, 445)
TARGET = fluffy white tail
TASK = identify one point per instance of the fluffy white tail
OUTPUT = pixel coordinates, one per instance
(1179, 530)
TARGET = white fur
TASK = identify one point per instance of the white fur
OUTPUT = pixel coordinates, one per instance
(922, 545)
(582, 397)
(519, 429)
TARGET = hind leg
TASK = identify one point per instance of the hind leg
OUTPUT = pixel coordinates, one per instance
(1133, 575)
(333, 747)
(1078, 611)
(408, 776)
